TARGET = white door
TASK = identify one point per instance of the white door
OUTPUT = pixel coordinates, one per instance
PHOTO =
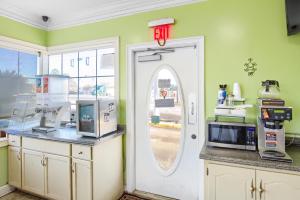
(82, 179)
(14, 166)
(166, 123)
(33, 171)
(58, 177)
(230, 183)
(277, 186)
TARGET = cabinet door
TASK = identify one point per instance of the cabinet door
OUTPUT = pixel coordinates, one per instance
(277, 186)
(82, 179)
(58, 177)
(14, 166)
(33, 172)
(230, 183)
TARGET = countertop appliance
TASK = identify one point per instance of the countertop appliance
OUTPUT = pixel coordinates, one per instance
(235, 135)
(271, 133)
(96, 118)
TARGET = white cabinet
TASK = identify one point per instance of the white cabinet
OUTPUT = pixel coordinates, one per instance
(33, 172)
(49, 169)
(57, 177)
(14, 166)
(82, 179)
(277, 186)
(229, 183)
(223, 182)
(46, 174)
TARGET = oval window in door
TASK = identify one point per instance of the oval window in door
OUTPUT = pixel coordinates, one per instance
(166, 119)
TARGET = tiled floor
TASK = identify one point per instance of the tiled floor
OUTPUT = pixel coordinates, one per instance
(18, 195)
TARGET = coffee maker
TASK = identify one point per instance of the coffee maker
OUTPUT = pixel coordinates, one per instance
(271, 133)
(272, 113)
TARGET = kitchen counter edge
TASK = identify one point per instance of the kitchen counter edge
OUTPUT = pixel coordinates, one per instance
(251, 158)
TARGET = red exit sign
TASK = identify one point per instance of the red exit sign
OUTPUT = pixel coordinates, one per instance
(161, 30)
(161, 33)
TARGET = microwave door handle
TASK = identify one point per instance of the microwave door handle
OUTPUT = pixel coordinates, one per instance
(220, 134)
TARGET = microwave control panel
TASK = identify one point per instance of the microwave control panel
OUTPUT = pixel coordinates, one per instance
(251, 138)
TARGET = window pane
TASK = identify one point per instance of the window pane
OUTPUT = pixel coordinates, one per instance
(28, 64)
(29, 86)
(73, 90)
(70, 64)
(105, 64)
(8, 62)
(87, 63)
(87, 88)
(105, 86)
(55, 64)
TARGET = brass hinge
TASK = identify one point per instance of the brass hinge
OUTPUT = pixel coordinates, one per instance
(207, 172)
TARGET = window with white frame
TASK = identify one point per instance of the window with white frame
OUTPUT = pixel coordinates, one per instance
(91, 72)
(18, 70)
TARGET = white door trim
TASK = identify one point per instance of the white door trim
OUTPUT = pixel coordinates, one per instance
(198, 42)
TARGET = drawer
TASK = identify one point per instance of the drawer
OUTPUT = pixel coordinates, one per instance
(82, 152)
(46, 146)
(14, 140)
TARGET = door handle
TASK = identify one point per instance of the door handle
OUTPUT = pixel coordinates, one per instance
(194, 136)
(261, 190)
(192, 119)
(252, 189)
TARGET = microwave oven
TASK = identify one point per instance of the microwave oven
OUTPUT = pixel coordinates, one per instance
(232, 135)
(96, 118)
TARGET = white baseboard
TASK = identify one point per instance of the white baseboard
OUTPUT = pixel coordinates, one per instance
(4, 190)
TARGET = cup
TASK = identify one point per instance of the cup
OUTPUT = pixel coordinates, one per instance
(236, 91)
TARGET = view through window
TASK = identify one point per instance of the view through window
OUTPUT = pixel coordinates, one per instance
(91, 72)
(17, 75)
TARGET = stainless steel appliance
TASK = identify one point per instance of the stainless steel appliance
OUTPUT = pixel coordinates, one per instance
(96, 118)
(271, 133)
(235, 135)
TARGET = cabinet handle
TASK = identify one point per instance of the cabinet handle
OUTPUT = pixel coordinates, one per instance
(261, 190)
(19, 156)
(42, 162)
(45, 162)
(73, 167)
(80, 153)
(252, 189)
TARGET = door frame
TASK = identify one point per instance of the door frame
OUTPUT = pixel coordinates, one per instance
(198, 42)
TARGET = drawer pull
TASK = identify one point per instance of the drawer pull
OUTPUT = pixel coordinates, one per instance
(80, 153)
(13, 141)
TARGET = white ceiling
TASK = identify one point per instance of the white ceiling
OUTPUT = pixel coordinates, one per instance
(66, 13)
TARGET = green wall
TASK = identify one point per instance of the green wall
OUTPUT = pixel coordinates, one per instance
(234, 31)
(17, 30)
(3, 166)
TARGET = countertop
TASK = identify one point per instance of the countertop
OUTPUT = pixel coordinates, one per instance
(251, 158)
(68, 135)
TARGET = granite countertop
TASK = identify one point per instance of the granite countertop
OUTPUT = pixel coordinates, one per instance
(251, 158)
(68, 135)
